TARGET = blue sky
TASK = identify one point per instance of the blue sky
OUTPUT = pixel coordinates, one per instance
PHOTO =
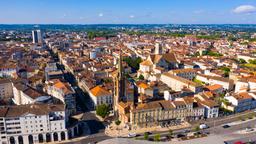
(127, 11)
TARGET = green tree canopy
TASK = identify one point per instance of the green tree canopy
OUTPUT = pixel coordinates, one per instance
(242, 61)
(133, 62)
(157, 137)
(102, 110)
(141, 77)
(117, 122)
(146, 136)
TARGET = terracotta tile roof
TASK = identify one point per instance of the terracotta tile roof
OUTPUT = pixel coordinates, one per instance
(149, 105)
(167, 104)
(183, 70)
(208, 94)
(33, 93)
(99, 91)
(170, 57)
(146, 63)
(207, 102)
(214, 87)
(63, 86)
(242, 96)
(143, 85)
(4, 81)
(217, 78)
(253, 80)
(38, 109)
(182, 79)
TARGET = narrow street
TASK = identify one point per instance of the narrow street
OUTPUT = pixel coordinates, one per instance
(84, 106)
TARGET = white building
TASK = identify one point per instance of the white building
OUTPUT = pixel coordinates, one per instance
(8, 71)
(241, 86)
(178, 83)
(64, 92)
(240, 102)
(30, 124)
(227, 84)
(23, 94)
(211, 108)
(188, 73)
(100, 96)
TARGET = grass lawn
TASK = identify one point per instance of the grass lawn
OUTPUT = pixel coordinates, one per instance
(198, 81)
(248, 65)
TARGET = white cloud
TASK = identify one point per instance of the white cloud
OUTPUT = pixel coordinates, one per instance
(131, 16)
(101, 15)
(245, 9)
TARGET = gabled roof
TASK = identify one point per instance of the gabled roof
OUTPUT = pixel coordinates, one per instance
(99, 91)
(65, 87)
(214, 87)
(146, 63)
(143, 85)
(33, 109)
(170, 57)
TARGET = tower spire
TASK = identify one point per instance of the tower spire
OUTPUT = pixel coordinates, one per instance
(120, 65)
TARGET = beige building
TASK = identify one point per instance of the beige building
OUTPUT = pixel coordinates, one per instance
(24, 94)
(64, 92)
(6, 91)
(188, 73)
(177, 83)
(164, 112)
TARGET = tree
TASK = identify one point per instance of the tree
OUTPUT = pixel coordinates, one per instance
(252, 61)
(157, 137)
(141, 77)
(102, 110)
(133, 62)
(242, 61)
(197, 128)
(117, 122)
(91, 35)
(146, 136)
(170, 132)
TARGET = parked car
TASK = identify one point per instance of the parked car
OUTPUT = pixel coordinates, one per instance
(226, 126)
(249, 129)
(180, 135)
(149, 133)
(132, 135)
(203, 126)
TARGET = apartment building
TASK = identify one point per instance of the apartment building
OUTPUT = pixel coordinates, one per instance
(6, 91)
(164, 112)
(177, 83)
(8, 71)
(28, 124)
(24, 94)
(188, 73)
(240, 102)
(226, 83)
(64, 92)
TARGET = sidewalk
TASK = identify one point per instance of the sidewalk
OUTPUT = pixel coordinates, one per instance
(85, 134)
(122, 131)
(223, 120)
